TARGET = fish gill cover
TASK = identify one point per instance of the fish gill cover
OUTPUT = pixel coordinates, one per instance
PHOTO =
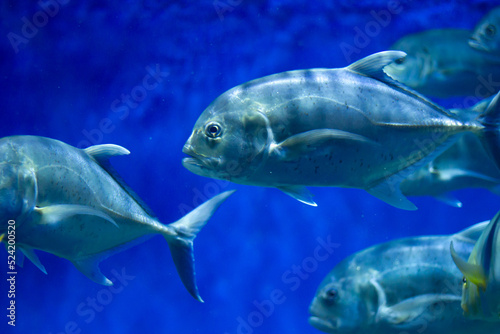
(139, 74)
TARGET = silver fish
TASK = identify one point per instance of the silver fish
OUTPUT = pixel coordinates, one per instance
(351, 127)
(486, 34)
(71, 203)
(403, 286)
(464, 165)
(481, 288)
(440, 63)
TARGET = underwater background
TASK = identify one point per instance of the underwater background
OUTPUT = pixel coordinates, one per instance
(78, 77)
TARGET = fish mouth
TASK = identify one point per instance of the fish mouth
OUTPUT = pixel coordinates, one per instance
(323, 325)
(476, 44)
(198, 163)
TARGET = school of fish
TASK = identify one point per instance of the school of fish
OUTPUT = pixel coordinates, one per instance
(368, 126)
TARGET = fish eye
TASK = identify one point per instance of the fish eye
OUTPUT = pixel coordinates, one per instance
(464, 280)
(331, 294)
(490, 30)
(213, 130)
(399, 61)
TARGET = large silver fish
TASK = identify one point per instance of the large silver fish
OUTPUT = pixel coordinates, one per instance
(486, 35)
(481, 288)
(464, 165)
(441, 63)
(351, 127)
(70, 202)
(403, 286)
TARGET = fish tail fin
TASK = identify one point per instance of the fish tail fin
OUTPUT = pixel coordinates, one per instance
(490, 137)
(180, 236)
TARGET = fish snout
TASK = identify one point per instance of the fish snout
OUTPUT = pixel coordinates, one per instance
(188, 149)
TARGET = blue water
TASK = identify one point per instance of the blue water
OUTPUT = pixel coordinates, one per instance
(69, 79)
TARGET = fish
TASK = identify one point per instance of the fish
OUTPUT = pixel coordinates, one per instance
(481, 287)
(351, 127)
(408, 285)
(70, 202)
(440, 63)
(464, 165)
(486, 34)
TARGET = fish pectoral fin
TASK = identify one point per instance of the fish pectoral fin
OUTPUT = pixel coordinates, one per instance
(474, 273)
(389, 192)
(56, 213)
(30, 254)
(449, 199)
(406, 311)
(299, 144)
(106, 151)
(300, 193)
(90, 268)
(456, 173)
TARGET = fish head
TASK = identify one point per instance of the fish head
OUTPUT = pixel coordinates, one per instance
(18, 192)
(340, 306)
(229, 139)
(486, 35)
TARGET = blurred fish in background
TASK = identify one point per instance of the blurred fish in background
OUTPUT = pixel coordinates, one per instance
(440, 63)
(402, 286)
(486, 35)
(464, 165)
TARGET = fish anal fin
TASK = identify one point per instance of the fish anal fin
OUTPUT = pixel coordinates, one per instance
(300, 193)
(449, 199)
(389, 192)
(90, 268)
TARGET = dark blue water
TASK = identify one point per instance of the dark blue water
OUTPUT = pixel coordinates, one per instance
(78, 76)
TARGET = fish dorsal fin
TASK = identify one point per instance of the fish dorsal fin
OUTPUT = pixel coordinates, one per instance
(101, 154)
(373, 65)
(106, 151)
(472, 233)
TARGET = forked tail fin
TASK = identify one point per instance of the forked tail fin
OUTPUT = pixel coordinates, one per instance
(181, 241)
